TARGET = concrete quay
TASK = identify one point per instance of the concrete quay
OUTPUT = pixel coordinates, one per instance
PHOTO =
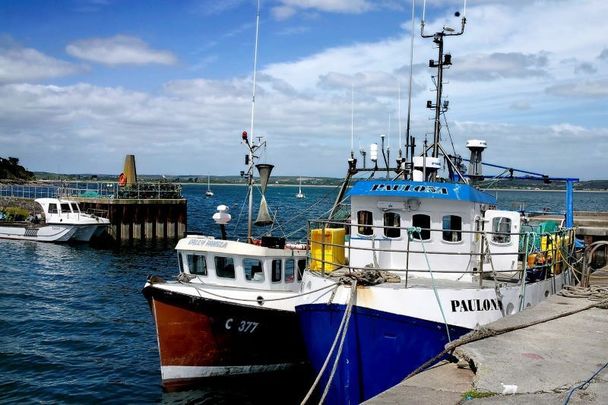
(544, 361)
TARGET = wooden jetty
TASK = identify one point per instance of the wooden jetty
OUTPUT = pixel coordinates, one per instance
(141, 219)
(138, 212)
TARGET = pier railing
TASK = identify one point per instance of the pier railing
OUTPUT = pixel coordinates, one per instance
(538, 255)
(92, 190)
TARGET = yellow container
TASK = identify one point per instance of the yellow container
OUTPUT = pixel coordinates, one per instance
(323, 254)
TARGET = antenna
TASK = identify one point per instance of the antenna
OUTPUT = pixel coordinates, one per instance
(399, 116)
(442, 60)
(409, 97)
(352, 121)
(251, 134)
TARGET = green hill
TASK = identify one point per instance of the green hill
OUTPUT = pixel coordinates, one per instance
(11, 170)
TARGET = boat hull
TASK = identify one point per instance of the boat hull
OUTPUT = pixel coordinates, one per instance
(201, 338)
(394, 330)
(46, 233)
(380, 348)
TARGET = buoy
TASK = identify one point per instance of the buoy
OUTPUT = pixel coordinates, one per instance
(122, 180)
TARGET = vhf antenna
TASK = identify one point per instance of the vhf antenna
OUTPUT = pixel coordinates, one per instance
(442, 60)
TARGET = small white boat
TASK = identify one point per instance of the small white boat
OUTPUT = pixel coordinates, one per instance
(208, 193)
(60, 221)
(62, 212)
(300, 193)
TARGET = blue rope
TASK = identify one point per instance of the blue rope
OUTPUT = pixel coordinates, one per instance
(584, 385)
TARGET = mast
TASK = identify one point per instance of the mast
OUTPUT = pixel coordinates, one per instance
(409, 99)
(250, 156)
(442, 60)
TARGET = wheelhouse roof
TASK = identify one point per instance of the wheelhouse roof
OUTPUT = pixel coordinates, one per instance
(420, 189)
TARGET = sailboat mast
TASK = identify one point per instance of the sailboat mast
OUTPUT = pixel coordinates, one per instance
(251, 134)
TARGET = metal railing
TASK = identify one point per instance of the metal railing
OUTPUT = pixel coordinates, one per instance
(92, 190)
(539, 255)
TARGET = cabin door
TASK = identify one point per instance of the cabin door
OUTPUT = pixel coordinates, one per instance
(502, 232)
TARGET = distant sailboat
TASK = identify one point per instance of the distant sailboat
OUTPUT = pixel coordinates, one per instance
(208, 193)
(300, 194)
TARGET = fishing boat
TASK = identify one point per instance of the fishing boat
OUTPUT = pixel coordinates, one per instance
(208, 193)
(300, 194)
(231, 310)
(59, 220)
(422, 260)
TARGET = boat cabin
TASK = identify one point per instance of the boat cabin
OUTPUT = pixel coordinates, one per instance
(399, 225)
(229, 263)
(56, 210)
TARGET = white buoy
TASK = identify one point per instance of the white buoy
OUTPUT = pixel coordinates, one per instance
(222, 217)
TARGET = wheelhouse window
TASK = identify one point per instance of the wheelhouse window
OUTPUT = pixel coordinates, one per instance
(424, 222)
(365, 221)
(75, 207)
(452, 227)
(253, 269)
(197, 265)
(501, 228)
(276, 270)
(224, 267)
(301, 267)
(65, 208)
(52, 208)
(290, 266)
(392, 222)
(180, 262)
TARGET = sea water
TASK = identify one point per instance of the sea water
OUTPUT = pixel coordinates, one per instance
(75, 328)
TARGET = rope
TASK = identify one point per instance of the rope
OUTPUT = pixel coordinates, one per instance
(482, 333)
(592, 293)
(197, 288)
(409, 234)
(339, 335)
(584, 385)
(353, 294)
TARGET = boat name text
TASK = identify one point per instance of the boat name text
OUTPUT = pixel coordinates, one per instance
(208, 242)
(409, 187)
(476, 305)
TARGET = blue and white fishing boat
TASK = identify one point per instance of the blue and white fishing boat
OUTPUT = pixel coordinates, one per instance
(419, 261)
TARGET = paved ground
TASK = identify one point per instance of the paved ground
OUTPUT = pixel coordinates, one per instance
(544, 361)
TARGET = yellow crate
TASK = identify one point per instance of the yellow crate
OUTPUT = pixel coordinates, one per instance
(322, 253)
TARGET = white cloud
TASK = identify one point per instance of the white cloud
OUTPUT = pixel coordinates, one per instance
(287, 8)
(18, 64)
(500, 65)
(530, 100)
(118, 50)
(591, 88)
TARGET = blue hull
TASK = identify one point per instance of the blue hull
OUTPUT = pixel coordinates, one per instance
(380, 349)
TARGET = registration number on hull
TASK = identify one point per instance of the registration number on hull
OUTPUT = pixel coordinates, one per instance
(241, 326)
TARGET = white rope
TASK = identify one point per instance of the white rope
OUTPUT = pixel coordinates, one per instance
(447, 329)
(199, 289)
(339, 334)
(353, 293)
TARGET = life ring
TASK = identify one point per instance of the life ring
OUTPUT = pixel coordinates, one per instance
(122, 180)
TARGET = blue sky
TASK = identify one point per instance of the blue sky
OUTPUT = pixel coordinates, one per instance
(84, 82)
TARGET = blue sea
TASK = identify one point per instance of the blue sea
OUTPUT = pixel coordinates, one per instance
(75, 328)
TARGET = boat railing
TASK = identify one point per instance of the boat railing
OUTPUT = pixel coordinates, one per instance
(539, 255)
(92, 190)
